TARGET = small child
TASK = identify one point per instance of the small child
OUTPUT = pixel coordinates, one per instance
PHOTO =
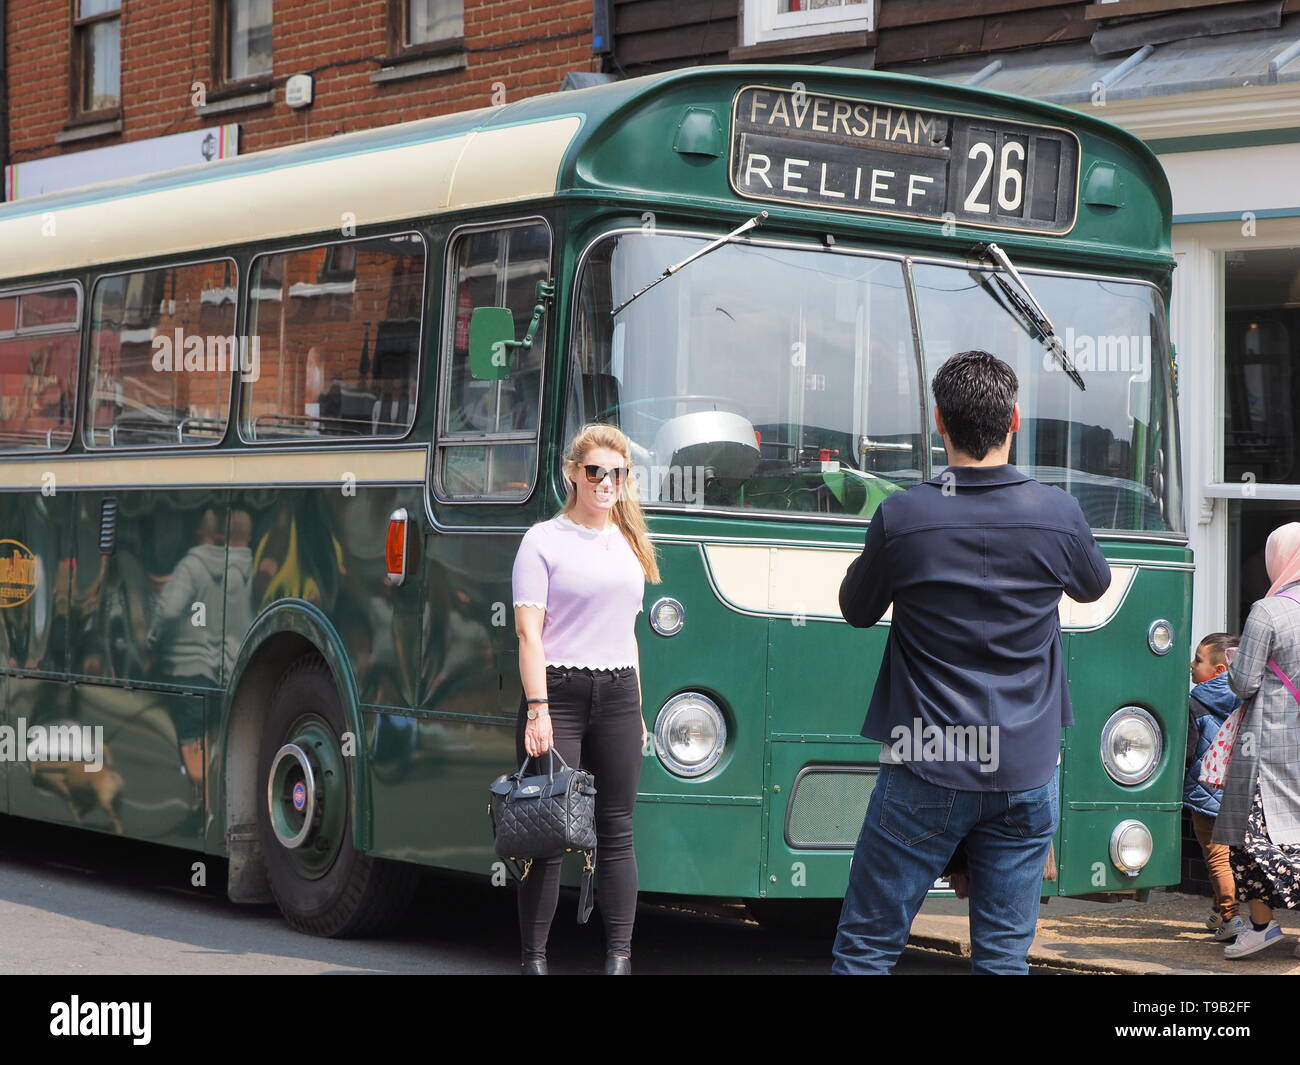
(1209, 705)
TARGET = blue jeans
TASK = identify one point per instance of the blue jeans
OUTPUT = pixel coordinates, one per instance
(911, 829)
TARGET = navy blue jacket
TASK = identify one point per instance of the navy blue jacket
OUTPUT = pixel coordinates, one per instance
(974, 561)
(1208, 706)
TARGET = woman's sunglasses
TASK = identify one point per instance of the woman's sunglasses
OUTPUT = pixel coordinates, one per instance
(596, 474)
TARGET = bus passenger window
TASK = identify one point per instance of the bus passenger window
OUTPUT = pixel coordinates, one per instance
(40, 332)
(337, 330)
(488, 429)
(162, 351)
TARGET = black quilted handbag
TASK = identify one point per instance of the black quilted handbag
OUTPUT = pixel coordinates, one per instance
(545, 816)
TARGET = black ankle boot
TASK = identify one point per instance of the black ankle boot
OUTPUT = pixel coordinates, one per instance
(617, 966)
(533, 967)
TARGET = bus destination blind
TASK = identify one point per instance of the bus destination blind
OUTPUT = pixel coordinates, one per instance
(856, 155)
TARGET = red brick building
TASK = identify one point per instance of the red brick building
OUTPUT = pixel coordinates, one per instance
(90, 74)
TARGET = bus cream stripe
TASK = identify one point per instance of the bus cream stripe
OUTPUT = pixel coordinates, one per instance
(469, 170)
(512, 163)
(218, 468)
(805, 582)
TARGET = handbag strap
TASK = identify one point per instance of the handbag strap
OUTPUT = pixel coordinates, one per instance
(1294, 595)
(554, 753)
(1284, 679)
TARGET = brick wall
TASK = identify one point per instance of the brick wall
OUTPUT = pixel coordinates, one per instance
(167, 45)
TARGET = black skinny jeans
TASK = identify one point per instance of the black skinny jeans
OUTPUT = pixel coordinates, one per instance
(596, 717)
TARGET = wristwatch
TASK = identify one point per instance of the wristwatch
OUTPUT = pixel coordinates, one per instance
(535, 712)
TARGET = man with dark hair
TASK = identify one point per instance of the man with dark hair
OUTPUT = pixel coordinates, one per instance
(971, 696)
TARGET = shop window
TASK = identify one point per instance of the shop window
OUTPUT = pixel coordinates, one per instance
(1261, 397)
(1261, 345)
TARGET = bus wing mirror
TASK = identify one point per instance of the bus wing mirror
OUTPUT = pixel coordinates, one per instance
(491, 336)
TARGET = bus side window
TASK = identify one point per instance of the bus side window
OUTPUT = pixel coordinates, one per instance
(162, 352)
(487, 442)
(337, 331)
(40, 332)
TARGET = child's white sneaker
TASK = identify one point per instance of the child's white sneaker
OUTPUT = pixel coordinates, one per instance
(1249, 941)
(1231, 928)
(1215, 921)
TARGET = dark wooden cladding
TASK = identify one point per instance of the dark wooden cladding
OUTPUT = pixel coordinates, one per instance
(707, 42)
(647, 15)
(1050, 24)
(894, 14)
(651, 35)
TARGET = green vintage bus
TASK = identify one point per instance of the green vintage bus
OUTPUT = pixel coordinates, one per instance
(273, 427)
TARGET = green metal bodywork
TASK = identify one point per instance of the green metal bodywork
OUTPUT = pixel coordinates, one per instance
(428, 672)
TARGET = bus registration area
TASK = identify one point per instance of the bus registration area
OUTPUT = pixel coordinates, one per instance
(792, 146)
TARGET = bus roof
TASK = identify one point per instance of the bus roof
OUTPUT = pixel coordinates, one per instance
(622, 140)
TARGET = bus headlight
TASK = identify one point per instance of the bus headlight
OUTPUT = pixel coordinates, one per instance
(690, 733)
(1131, 745)
(1130, 847)
(1160, 637)
(667, 616)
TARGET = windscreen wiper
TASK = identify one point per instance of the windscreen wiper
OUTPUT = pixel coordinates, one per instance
(758, 219)
(1031, 310)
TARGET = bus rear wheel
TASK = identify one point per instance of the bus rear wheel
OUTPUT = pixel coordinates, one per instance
(323, 885)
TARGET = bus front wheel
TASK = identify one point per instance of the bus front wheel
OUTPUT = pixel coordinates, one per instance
(323, 885)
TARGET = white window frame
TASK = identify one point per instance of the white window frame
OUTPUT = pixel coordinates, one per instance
(763, 22)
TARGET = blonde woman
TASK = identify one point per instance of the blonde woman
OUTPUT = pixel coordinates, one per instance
(578, 582)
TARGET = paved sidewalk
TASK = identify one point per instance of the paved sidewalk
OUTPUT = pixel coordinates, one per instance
(1165, 935)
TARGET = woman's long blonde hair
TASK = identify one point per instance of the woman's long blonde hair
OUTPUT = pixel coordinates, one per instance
(626, 513)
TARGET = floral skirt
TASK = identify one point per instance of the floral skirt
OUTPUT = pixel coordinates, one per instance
(1263, 869)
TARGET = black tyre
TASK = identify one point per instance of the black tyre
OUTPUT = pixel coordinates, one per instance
(323, 885)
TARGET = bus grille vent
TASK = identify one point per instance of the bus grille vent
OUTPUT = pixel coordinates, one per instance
(108, 526)
(828, 805)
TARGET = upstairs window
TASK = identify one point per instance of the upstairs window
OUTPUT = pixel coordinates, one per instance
(787, 20)
(416, 26)
(96, 57)
(245, 44)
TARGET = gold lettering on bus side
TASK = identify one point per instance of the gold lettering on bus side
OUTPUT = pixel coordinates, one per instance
(17, 573)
